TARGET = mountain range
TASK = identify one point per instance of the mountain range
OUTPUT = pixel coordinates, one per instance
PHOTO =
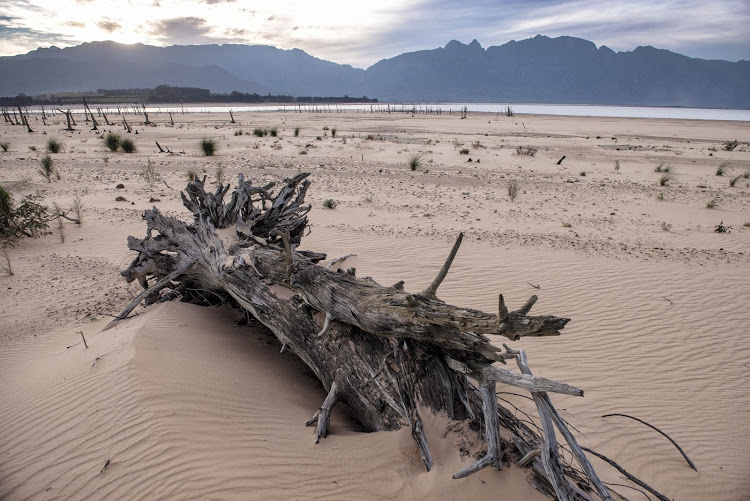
(539, 70)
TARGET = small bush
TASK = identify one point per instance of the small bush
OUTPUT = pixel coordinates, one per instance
(722, 228)
(238, 132)
(730, 145)
(330, 203)
(617, 166)
(333, 132)
(53, 145)
(148, 173)
(662, 168)
(512, 188)
(47, 169)
(112, 141)
(29, 218)
(712, 204)
(529, 151)
(274, 132)
(260, 132)
(208, 146)
(5, 145)
(476, 145)
(296, 132)
(192, 175)
(415, 161)
(127, 145)
(665, 179)
(77, 207)
(463, 151)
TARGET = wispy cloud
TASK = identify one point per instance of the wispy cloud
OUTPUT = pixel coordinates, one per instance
(361, 33)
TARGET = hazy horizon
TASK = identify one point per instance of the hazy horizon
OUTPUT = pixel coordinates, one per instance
(360, 35)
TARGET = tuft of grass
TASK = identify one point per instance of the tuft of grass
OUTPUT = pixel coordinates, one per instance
(112, 141)
(260, 132)
(662, 168)
(127, 145)
(238, 132)
(148, 172)
(617, 166)
(333, 132)
(296, 131)
(47, 169)
(476, 145)
(512, 188)
(722, 168)
(368, 199)
(274, 132)
(415, 161)
(53, 145)
(60, 228)
(208, 146)
(330, 203)
(77, 207)
(528, 151)
(5, 145)
(746, 174)
(734, 180)
(665, 179)
(192, 175)
(463, 151)
(712, 204)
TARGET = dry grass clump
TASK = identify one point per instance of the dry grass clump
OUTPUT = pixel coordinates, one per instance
(47, 168)
(112, 141)
(208, 146)
(220, 174)
(721, 169)
(415, 161)
(665, 179)
(662, 168)
(528, 151)
(127, 145)
(148, 172)
(54, 145)
(5, 145)
(330, 203)
(734, 180)
(712, 204)
(512, 188)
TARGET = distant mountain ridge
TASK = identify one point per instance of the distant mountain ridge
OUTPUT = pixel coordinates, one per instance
(540, 69)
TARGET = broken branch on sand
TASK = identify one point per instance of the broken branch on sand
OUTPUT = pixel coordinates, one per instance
(380, 352)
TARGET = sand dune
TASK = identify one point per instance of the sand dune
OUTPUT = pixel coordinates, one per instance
(185, 404)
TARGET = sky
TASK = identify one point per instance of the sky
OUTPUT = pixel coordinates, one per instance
(361, 33)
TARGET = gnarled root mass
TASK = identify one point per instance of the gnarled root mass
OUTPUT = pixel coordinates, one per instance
(381, 352)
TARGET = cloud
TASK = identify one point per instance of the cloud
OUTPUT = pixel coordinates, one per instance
(214, 2)
(108, 25)
(181, 30)
(75, 24)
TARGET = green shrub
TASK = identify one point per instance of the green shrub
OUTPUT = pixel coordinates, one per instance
(208, 146)
(127, 145)
(29, 218)
(330, 203)
(260, 132)
(54, 146)
(112, 141)
(274, 132)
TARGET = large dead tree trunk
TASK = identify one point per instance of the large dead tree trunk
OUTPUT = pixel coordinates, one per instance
(381, 352)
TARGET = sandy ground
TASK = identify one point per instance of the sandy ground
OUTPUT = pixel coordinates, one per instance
(182, 403)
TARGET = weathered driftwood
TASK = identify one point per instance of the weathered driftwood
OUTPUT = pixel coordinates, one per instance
(381, 352)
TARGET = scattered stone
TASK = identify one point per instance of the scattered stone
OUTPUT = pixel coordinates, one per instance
(120, 186)
(120, 199)
(566, 225)
(152, 200)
